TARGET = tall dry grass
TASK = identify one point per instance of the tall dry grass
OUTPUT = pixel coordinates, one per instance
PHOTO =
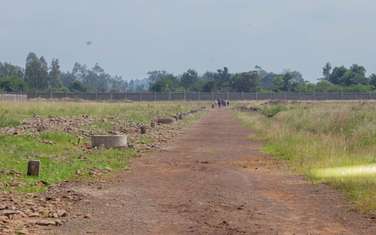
(329, 142)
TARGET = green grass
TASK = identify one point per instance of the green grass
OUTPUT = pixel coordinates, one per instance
(332, 143)
(272, 110)
(63, 155)
(60, 161)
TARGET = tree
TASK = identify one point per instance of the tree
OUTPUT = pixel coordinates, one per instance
(188, 79)
(245, 82)
(54, 76)
(36, 72)
(356, 74)
(223, 79)
(326, 71)
(31, 70)
(372, 80)
(336, 77)
(12, 84)
(161, 81)
(43, 74)
(77, 86)
(7, 70)
(289, 81)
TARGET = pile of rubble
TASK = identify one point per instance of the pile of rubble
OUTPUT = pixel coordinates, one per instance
(36, 125)
(20, 213)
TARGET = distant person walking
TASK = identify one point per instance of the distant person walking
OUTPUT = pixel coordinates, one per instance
(219, 103)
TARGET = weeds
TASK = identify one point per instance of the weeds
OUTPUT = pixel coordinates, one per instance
(318, 139)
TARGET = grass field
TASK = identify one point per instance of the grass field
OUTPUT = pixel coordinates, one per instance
(329, 142)
(65, 154)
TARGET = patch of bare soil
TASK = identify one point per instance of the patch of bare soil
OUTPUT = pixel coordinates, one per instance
(211, 180)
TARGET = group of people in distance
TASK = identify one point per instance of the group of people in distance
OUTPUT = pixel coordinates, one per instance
(220, 103)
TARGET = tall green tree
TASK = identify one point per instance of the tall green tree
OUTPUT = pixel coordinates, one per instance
(54, 76)
(372, 80)
(188, 79)
(43, 73)
(36, 72)
(245, 82)
(326, 71)
(161, 81)
(289, 81)
(223, 79)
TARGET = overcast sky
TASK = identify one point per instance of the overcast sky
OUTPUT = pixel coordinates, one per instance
(132, 37)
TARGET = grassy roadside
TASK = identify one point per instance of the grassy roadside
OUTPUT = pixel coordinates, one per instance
(65, 155)
(333, 143)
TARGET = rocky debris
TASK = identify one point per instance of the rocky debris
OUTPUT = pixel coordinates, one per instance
(37, 124)
(8, 212)
(98, 172)
(10, 172)
(22, 212)
(249, 109)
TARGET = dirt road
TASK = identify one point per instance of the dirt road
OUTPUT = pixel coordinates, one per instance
(213, 180)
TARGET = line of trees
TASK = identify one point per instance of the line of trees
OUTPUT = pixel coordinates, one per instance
(351, 79)
(38, 75)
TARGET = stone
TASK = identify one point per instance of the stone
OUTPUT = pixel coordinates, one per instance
(166, 120)
(9, 212)
(45, 222)
(58, 222)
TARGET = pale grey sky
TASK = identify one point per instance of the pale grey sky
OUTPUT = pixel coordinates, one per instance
(131, 37)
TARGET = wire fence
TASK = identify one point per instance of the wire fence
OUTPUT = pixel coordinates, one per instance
(13, 97)
(188, 96)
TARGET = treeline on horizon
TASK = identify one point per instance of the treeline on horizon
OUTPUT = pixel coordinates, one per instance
(38, 75)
